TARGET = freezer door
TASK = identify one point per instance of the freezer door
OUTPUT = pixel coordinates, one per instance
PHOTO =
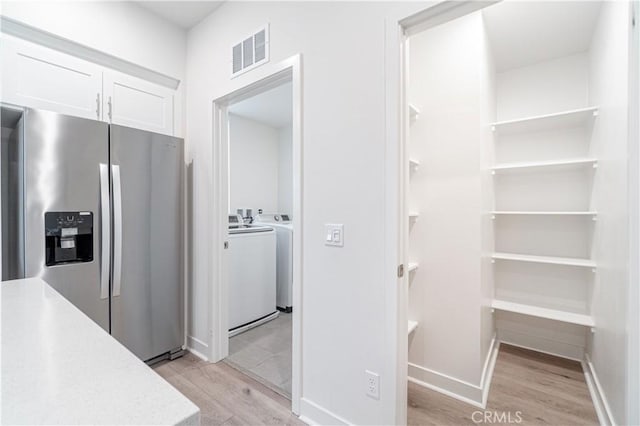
(147, 290)
(62, 173)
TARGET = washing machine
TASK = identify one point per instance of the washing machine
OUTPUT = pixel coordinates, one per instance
(252, 275)
(284, 255)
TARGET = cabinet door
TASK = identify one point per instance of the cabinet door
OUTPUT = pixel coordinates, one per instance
(132, 102)
(39, 77)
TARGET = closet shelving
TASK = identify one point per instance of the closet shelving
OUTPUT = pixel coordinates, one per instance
(550, 260)
(414, 112)
(541, 165)
(543, 213)
(552, 314)
(534, 124)
(414, 165)
(566, 119)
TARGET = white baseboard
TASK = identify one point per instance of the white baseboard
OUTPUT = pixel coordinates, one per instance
(313, 414)
(450, 386)
(489, 366)
(536, 349)
(197, 347)
(456, 388)
(605, 416)
(529, 334)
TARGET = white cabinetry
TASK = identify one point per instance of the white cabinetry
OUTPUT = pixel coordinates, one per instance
(38, 77)
(133, 102)
(42, 78)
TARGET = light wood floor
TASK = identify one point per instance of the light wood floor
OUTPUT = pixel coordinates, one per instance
(224, 395)
(545, 389)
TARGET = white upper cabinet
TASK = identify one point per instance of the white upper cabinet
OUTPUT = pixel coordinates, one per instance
(38, 77)
(133, 102)
(35, 76)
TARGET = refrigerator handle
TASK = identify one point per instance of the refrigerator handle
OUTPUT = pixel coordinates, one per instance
(117, 230)
(105, 234)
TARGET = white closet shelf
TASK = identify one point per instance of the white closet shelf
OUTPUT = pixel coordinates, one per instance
(552, 314)
(412, 326)
(413, 215)
(414, 112)
(567, 119)
(572, 162)
(412, 266)
(552, 260)
(547, 213)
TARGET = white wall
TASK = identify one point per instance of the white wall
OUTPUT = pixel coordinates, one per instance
(563, 81)
(633, 351)
(344, 311)
(285, 170)
(122, 29)
(608, 78)
(253, 165)
(487, 157)
(451, 82)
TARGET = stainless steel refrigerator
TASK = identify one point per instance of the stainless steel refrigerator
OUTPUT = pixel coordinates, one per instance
(96, 211)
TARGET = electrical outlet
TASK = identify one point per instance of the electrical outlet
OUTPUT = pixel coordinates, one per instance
(373, 384)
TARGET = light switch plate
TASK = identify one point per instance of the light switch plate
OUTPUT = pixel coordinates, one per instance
(334, 235)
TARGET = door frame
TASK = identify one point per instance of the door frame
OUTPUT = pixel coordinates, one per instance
(397, 33)
(259, 80)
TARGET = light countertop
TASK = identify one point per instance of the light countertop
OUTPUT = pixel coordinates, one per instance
(59, 367)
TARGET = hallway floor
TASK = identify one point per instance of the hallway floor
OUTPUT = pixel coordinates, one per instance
(544, 388)
(224, 395)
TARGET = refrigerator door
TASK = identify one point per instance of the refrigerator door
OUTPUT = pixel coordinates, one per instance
(147, 291)
(64, 157)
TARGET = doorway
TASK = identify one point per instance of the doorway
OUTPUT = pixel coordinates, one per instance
(529, 141)
(260, 237)
(257, 157)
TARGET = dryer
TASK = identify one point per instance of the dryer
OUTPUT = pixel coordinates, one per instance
(284, 256)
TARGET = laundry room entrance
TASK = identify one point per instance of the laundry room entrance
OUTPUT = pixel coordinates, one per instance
(257, 284)
(260, 236)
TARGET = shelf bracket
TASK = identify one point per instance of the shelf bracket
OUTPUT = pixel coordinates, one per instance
(493, 172)
(493, 128)
(595, 113)
(493, 217)
(593, 270)
(593, 330)
(493, 261)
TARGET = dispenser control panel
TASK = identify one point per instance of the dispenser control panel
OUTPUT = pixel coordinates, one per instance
(68, 237)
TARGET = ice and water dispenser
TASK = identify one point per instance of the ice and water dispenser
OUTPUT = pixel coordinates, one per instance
(69, 237)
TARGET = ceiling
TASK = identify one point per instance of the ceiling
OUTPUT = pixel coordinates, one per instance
(524, 33)
(185, 14)
(273, 107)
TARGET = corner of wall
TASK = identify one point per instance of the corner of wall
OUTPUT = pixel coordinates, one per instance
(600, 403)
(463, 391)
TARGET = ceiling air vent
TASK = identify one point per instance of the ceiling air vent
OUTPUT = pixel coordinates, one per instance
(250, 52)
